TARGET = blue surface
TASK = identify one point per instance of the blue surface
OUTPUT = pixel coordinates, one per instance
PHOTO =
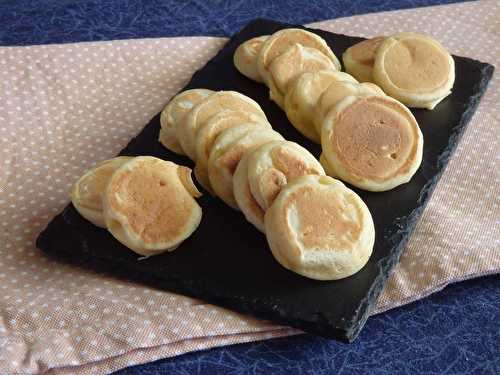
(452, 332)
(48, 21)
(456, 331)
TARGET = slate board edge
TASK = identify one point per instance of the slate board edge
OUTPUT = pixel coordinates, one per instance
(342, 332)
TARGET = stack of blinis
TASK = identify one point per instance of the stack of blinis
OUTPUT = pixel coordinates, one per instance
(146, 203)
(278, 185)
(369, 137)
(314, 224)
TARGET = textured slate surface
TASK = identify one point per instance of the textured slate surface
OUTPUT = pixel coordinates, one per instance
(454, 331)
(221, 269)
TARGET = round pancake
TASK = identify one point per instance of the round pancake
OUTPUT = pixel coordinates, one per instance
(86, 194)
(338, 91)
(288, 66)
(149, 205)
(207, 108)
(415, 69)
(372, 142)
(359, 59)
(303, 95)
(174, 112)
(245, 57)
(281, 40)
(228, 149)
(320, 229)
(208, 132)
(243, 196)
(275, 164)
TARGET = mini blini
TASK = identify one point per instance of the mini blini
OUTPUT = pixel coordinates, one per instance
(320, 229)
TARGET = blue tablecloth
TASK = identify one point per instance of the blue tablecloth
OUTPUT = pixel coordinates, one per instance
(456, 331)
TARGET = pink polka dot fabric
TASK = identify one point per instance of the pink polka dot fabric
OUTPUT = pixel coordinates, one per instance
(63, 108)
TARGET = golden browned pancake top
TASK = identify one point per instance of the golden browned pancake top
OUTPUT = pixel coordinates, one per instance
(153, 200)
(375, 138)
(416, 64)
(291, 164)
(324, 219)
(230, 159)
(364, 52)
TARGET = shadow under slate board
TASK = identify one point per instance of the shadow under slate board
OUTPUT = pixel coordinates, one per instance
(227, 262)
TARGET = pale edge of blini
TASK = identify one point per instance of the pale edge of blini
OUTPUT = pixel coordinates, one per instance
(303, 95)
(245, 57)
(88, 210)
(243, 196)
(168, 122)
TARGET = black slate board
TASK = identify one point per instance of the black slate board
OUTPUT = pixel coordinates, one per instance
(227, 262)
